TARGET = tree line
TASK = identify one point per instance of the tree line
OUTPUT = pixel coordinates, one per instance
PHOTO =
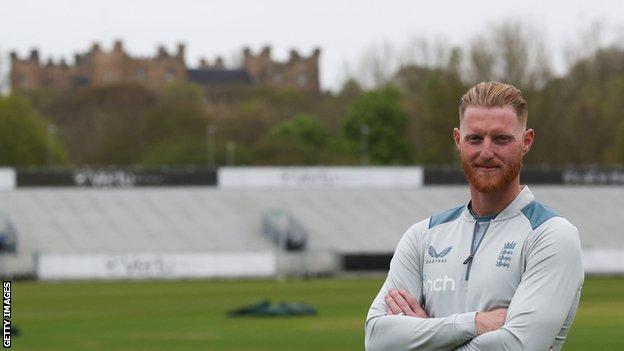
(400, 112)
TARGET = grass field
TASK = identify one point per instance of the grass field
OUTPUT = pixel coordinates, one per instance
(191, 315)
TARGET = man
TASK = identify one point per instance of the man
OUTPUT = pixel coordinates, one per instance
(502, 272)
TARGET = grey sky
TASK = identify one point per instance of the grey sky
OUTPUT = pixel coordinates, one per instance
(342, 29)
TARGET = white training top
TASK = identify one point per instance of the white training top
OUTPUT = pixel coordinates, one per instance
(529, 262)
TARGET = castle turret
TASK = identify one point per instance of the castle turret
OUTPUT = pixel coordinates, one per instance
(34, 56)
(181, 49)
(162, 52)
(118, 47)
(294, 56)
(95, 48)
(266, 52)
(219, 63)
(316, 53)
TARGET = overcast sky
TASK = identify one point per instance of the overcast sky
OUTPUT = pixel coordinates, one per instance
(342, 29)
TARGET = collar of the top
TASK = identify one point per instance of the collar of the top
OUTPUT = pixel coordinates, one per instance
(524, 198)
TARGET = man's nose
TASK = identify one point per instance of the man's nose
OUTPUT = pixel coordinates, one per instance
(486, 151)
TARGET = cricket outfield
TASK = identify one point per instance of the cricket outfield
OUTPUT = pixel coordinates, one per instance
(191, 315)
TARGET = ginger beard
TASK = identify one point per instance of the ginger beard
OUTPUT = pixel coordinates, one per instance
(491, 182)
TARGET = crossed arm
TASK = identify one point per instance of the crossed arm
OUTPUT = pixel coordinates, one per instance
(401, 302)
(547, 294)
(414, 330)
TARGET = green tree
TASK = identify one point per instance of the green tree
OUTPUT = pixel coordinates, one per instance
(619, 144)
(509, 52)
(301, 140)
(378, 121)
(24, 139)
(174, 131)
(179, 114)
(577, 116)
(350, 90)
(430, 97)
(302, 128)
(175, 152)
(98, 125)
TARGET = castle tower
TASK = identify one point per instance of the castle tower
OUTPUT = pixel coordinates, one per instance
(298, 72)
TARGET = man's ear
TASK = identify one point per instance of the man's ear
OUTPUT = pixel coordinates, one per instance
(457, 137)
(529, 137)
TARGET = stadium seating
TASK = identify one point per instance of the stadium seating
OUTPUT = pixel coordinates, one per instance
(74, 220)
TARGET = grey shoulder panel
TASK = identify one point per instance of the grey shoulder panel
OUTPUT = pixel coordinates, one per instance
(537, 213)
(446, 216)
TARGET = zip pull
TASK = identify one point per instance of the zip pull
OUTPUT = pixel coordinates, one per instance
(468, 261)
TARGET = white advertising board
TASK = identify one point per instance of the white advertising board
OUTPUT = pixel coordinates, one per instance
(320, 177)
(8, 179)
(603, 260)
(57, 266)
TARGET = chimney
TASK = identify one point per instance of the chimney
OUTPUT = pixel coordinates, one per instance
(246, 52)
(181, 49)
(316, 53)
(266, 51)
(95, 48)
(13, 56)
(219, 62)
(162, 52)
(294, 56)
(34, 56)
(118, 46)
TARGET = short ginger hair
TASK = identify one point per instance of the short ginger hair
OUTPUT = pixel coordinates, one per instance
(495, 94)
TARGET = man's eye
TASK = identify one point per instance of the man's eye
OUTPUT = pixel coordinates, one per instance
(503, 139)
(473, 138)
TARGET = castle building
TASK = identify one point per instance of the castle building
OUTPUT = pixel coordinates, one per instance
(98, 67)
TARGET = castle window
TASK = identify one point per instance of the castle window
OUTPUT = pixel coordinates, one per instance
(107, 76)
(169, 75)
(23, 81)
(80, 81)
(302, 80)
(140, 74)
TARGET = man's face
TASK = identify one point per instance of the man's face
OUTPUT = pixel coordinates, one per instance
(491, 143)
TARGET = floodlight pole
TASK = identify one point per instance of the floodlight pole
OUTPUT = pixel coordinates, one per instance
(230, 153)
(211, 130)
(364, 133)
(51, 136)
(280, 256)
